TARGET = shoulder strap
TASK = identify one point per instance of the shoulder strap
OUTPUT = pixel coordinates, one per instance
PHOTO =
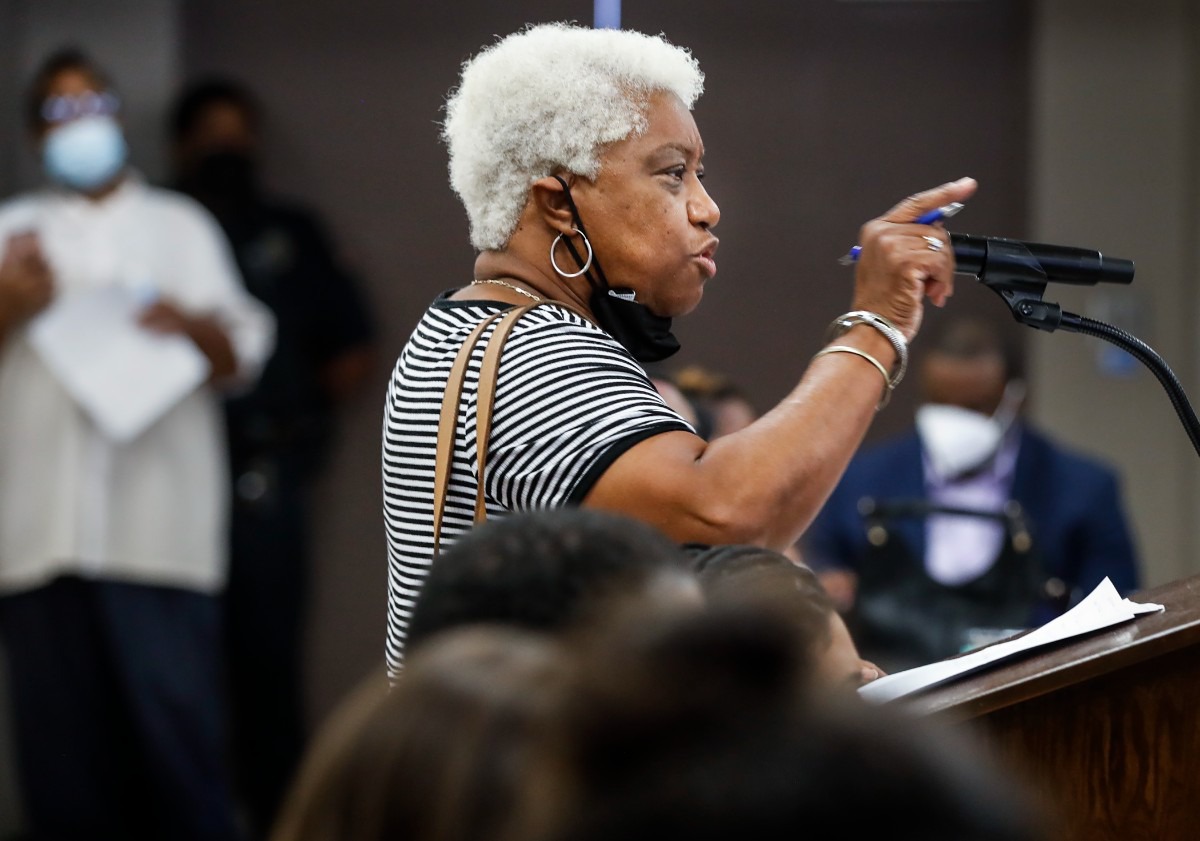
(451, 401)
(489, 372)
(447, 422)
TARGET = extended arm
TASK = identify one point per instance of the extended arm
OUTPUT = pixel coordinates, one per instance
(765, 483)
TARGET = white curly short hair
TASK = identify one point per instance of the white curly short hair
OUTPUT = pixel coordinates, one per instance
(546, 99)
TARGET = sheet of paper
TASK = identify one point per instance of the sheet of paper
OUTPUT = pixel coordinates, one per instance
(1101, 608)
(124, 376)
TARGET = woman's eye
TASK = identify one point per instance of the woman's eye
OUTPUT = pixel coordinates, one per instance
(677, 172)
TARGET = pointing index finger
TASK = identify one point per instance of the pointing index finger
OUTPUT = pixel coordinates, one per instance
(917, 205)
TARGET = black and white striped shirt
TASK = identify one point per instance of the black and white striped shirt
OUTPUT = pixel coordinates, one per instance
(569, 401)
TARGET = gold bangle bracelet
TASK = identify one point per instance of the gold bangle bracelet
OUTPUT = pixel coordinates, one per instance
(887, 381)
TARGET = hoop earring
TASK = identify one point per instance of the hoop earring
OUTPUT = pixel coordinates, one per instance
(587, 264)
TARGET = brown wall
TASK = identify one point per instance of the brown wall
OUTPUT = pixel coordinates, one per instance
(1116, 166)
(818, 115)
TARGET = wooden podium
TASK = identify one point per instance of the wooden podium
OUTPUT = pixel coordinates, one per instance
(1105, 728)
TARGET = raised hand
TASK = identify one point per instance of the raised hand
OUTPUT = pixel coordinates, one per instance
(901, 263)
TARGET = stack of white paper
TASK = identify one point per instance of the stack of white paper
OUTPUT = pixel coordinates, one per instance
(1102, 607)
(124, 376)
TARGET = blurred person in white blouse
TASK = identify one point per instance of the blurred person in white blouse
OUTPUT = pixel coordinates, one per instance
(111, 551)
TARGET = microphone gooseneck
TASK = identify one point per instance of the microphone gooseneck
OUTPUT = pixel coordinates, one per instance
(1145, 354)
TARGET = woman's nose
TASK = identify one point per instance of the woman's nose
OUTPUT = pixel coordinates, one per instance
(702, 210)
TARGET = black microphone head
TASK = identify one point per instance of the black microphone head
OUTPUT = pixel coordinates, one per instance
(997, 260)
(1116, 270)
(970, 253)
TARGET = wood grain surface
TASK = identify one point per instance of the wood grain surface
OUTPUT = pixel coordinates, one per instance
(1104, 729)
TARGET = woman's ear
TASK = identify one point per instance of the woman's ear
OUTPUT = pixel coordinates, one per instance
(551, 203)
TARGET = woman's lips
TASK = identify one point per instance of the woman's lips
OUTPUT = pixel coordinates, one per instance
(706, 259)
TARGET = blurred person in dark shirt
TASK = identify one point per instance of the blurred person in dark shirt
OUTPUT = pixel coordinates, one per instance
(280, 432)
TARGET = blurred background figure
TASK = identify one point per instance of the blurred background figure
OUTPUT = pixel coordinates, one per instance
(973, 525)
(720, 405)
(280, 431)
(112, 552)
(672, 395)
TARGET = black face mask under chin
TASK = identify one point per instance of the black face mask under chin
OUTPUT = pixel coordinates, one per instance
(646, 336)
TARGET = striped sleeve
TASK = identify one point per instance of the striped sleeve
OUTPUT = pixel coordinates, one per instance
(569, 401)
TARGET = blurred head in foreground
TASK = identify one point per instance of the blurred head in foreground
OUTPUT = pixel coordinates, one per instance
(685, 724)
(549, 570)
(770, 580)
(442, 756)
(697, 726)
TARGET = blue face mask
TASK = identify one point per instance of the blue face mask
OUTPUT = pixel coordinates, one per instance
(85, 154)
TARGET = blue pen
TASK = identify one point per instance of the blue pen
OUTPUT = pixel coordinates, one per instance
(936, 215)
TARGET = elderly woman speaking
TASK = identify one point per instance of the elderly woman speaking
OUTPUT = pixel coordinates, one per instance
(575, 153)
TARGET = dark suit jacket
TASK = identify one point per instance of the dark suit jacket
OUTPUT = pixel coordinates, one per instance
(1072, 506)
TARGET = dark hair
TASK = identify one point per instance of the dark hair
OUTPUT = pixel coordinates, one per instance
(539, 570)
(205, 93)
(694, 727)
(744, 573)
(967, 337)
(827, 775)
(60, 61)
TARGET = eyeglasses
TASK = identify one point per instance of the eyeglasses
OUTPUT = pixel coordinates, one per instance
(60, 109)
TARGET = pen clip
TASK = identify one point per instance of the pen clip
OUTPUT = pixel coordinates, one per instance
(951, 209)
(935, 215)
(938, 214)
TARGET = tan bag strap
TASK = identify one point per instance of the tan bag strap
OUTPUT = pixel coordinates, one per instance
(448, 420)
(446, 426)
(489, 372)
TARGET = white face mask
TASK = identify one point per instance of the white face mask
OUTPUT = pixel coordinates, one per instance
(957, 440)
(86, 153)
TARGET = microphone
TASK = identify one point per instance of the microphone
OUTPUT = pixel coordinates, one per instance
(1011, 259)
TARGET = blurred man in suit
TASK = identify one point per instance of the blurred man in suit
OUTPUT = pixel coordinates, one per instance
(972, 525)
